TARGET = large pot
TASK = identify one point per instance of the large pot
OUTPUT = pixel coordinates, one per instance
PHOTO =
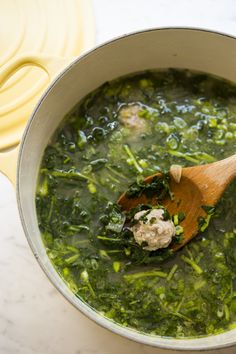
(195, 49)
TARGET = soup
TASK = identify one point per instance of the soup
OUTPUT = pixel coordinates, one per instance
(126, 130)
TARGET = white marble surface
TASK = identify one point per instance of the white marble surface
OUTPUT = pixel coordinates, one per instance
(34, 317)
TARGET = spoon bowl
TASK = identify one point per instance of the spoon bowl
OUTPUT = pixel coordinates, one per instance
(199, 186)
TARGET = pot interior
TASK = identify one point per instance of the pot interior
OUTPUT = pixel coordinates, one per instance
(153, 49)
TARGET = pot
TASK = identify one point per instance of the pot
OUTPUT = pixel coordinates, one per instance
(194, 49)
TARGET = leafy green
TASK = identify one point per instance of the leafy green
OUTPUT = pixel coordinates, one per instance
(203, 223)
(159, 187)
(116, 219)
(92, 158)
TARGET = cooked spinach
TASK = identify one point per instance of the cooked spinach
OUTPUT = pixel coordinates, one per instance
(158, 187)
(176, 117)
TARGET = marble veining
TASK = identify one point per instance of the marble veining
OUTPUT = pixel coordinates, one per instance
(34, 317)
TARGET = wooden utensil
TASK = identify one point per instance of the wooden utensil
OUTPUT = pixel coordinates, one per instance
(199, 186)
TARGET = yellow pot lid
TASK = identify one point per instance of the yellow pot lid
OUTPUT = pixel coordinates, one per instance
(62, 28)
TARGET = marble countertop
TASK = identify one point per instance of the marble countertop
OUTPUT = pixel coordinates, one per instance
(34, 317)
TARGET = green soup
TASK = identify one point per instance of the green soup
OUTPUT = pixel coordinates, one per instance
(125, 130)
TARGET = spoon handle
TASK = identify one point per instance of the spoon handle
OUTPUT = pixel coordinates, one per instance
(225, 170)
(212, 179)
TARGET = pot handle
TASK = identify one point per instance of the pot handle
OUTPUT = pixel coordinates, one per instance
(52, 66)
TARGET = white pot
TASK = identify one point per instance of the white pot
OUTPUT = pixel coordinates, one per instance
(194, 49)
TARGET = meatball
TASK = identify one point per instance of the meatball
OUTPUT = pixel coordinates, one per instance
(152, 229)
(129, 117)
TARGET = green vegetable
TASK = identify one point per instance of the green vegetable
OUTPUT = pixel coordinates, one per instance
(132, 160)
(116, 266)
(92, 188)
(85, 278)
(152, 273)
(94, 157)
(159, 187)
(204, 222)
(172, 272)
(68, 174)
(43, 187)
(82, 140)
(193, 264)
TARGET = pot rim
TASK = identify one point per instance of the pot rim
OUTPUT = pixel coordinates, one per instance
(129, 333)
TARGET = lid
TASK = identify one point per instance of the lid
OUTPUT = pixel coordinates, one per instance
(56, 27)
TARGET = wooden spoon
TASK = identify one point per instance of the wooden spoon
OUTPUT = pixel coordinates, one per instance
(198, 186)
